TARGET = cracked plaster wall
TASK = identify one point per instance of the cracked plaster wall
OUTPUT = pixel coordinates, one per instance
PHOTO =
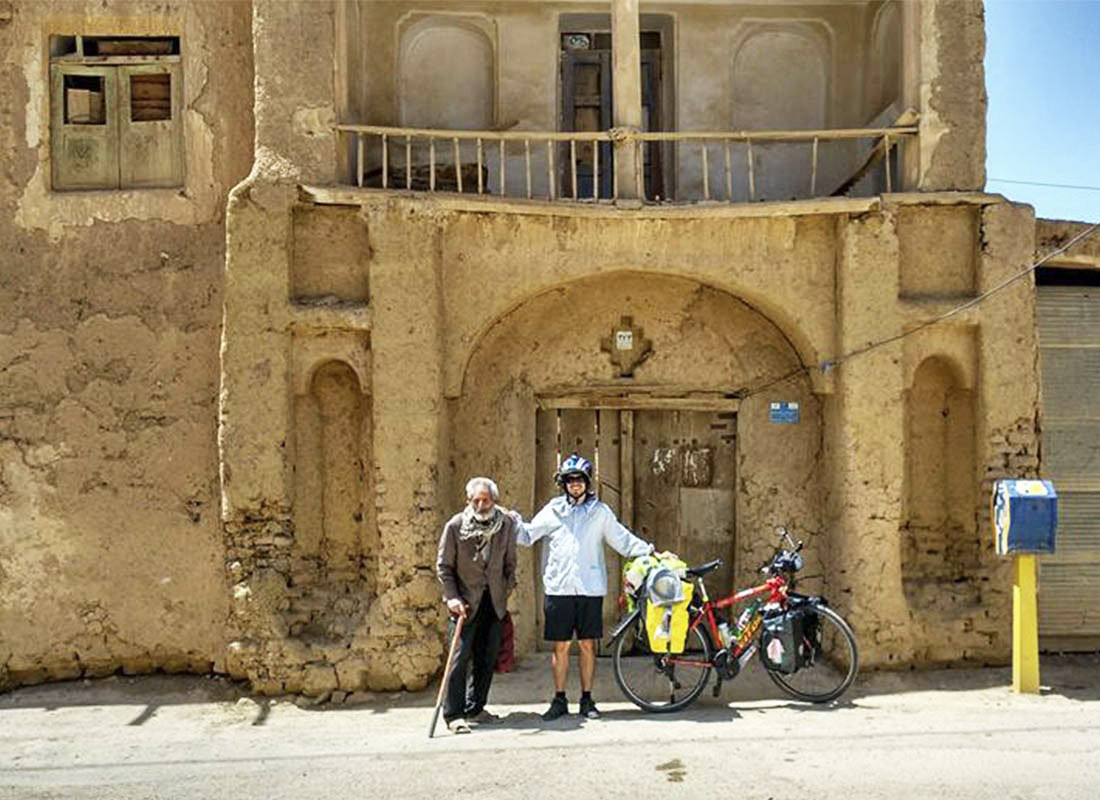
(509, 279)
(995, 349)
(952, 95)
(110, 547)
(439, 281)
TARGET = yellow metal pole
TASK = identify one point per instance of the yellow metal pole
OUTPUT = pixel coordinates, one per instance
(1025, 626)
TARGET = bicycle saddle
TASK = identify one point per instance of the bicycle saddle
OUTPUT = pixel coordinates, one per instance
(703, 569)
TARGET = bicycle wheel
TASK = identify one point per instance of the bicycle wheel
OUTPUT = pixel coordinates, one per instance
(660, 683)
(833, 670)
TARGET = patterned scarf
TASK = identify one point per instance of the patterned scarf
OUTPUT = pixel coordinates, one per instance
(479, 532)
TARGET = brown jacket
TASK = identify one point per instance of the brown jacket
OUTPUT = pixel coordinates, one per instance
(464, 577)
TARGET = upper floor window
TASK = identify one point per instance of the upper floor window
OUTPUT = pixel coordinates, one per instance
(115, 112)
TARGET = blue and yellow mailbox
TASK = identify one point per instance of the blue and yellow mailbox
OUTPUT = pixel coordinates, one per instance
(1025, 518)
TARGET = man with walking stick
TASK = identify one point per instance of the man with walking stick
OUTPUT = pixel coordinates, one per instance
(476, 565)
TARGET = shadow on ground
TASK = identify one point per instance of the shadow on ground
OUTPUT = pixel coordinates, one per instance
(1075, 676)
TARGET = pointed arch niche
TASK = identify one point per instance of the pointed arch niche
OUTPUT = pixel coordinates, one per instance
(939, 537)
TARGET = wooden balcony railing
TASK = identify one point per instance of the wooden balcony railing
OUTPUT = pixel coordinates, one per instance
(714, 166)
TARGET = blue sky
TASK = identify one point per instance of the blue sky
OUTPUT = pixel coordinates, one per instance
(1042, 68)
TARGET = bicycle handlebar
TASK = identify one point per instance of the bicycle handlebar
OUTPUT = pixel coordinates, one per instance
(784, 560)
(783, 533)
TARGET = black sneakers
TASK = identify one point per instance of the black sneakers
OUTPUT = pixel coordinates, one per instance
(588, 708)
(558, 708)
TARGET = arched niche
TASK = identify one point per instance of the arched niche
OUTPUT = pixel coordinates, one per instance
(335, 534)
(884, 54)
(446, 74)
(939, 541)
(781, 82)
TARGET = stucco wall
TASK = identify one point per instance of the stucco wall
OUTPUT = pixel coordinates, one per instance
(952, 96)
(168, 497)
(110, 304)
(475, 315)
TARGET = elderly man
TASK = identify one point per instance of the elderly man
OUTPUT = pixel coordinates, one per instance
(477, 567)
(574, 579)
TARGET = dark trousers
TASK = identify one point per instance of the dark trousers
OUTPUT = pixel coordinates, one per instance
(472, 673)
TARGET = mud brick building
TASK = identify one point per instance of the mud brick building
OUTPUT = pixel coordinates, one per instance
(278, 277)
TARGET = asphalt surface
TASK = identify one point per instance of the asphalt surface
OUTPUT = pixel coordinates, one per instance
(944, 734)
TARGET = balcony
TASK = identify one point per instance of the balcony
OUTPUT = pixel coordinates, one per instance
(683, 167)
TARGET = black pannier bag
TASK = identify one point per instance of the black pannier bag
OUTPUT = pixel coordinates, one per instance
(791, 640)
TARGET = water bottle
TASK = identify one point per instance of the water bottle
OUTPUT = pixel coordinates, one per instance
(743, 620)
(724, 633)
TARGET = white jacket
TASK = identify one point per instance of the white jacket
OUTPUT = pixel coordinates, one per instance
(573, 561)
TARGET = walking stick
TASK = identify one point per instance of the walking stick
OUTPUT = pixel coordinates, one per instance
(446, 675)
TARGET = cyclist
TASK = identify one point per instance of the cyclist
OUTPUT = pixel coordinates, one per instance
(576, 525)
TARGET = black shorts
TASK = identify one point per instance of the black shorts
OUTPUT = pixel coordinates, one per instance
(566, 615)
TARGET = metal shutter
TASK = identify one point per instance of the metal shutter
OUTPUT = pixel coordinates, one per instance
(1069, 583)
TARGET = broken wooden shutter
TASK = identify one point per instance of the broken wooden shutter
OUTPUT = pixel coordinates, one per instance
(84, 127)
(150, 128)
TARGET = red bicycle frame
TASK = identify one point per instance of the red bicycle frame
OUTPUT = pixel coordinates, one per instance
(776, 590)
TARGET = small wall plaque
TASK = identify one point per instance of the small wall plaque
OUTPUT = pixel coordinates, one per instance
(783, 413)
(627, 345)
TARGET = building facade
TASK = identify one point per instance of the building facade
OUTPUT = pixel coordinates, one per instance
(282, 276)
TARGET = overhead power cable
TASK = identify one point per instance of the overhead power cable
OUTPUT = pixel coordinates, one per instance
(830, 364)
(1051, 185)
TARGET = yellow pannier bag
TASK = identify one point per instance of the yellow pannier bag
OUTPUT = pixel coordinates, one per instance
(668, 636)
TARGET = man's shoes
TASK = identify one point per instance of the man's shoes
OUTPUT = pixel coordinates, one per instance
(588, 708)
(483, 717)
(458, 726)
(558, 708)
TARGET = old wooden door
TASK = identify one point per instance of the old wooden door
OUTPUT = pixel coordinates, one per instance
(586, 106)
(684, 480)
(669, 476)
(594, 433)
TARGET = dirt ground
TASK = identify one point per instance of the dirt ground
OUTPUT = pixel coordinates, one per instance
(945, 733)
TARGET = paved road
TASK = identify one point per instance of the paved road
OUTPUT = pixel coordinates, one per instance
(952, 733)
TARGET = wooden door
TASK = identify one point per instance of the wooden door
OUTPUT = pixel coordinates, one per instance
(684, 482)
(587, 106)
(668, 476)
(586, 99)
(594, 433)
(651, 121)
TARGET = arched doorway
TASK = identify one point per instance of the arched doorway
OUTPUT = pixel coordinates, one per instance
(712, 471)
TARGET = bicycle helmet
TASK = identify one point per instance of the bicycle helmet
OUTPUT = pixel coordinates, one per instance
(576, 464)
